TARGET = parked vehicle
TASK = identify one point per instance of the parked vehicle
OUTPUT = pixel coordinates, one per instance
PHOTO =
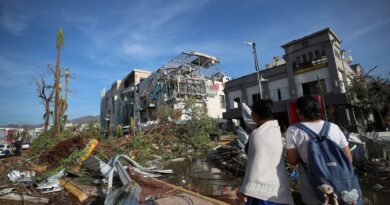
(25, 145)
(9, 149)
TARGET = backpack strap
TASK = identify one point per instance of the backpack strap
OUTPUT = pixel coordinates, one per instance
(317, 137)
(325, 130)
(308, 131)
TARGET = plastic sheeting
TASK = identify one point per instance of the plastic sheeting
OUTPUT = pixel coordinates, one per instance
(247, 116)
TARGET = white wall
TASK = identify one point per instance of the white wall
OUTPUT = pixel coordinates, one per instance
(214, 109)
(310, 76)
(283, 86)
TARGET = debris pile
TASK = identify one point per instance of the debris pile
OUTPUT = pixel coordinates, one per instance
(232, 156)
(62, 150)
(88, 178)
(375, 174)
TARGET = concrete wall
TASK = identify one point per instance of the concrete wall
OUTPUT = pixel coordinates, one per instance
(214, 108)
(322, 45)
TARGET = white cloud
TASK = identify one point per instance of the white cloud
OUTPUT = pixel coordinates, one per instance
(367, 29)
(15, 74)
(13, 21)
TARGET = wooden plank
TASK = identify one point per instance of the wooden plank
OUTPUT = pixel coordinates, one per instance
(17, 197)
(78, 193)
(214, 201)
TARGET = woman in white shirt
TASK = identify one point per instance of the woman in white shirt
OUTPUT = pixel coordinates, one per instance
(266, 180)
(297, 142)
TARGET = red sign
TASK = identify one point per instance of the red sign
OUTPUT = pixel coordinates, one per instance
(292, 110)
(292, 113)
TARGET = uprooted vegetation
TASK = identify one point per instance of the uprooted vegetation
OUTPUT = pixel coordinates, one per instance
(166, 139)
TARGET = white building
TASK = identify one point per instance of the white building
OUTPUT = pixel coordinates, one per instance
(191, 74)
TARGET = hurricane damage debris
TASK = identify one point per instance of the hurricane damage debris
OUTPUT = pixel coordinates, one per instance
(52, 183)
(232, 156)
(190, 74)
(61, 151)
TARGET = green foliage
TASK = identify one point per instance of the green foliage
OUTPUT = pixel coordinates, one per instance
(60, 39)
(164, 113)
(198, 128)
(169, 140)
(371, 94)
(132, 126)
(69, 162)
(118, 132)
(47, 139)
(92, 130)
(42, 142)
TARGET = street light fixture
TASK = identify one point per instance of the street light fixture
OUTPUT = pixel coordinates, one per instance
(259, 78)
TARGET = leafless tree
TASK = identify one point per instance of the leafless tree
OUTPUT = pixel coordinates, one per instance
(43, 89)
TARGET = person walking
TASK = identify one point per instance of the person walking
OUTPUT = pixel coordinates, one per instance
(266, 181)
(300, 140)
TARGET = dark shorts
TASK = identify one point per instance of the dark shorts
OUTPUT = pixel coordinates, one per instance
(254, 201)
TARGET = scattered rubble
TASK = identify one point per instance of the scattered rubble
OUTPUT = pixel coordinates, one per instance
(61, 151)
(52, 183)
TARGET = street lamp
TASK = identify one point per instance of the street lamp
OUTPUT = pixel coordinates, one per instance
(253, 44)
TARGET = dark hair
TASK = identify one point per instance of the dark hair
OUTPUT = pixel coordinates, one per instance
(263, 109)
(308, 107)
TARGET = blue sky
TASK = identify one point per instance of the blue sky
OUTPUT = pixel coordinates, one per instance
(105, 40)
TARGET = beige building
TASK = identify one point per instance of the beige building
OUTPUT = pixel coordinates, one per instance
(309, 63)
(117, 104)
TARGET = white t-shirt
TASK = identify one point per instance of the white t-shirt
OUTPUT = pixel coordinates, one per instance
(298, 139)
(265, 174)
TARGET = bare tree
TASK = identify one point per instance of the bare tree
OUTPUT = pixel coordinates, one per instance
(42, 90)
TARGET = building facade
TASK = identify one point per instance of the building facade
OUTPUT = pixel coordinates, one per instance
(312, 65)
(141, 93)
(117, 104)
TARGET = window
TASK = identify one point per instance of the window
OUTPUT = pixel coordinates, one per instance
(323, 53)
(255, 98)
(298, 59)
(304, 58)
(236, 102)
(311, 56)
(222, 101)
(279, 95)
(313, 88)
(317, 54)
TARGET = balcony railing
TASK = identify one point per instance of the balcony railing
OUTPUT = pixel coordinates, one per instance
(310, 65)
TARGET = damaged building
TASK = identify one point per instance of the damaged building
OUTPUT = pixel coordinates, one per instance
(141, 93)
(310, 64)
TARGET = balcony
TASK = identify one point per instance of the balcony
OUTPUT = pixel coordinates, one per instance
(310, 65)
(127, 90)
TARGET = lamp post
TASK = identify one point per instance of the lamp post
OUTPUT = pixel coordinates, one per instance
(253, 44)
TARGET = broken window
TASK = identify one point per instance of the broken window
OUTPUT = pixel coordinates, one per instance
(222, 101)
(236, 102)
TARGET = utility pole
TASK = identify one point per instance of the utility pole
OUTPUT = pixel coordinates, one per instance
(322, 99)
(253, 44)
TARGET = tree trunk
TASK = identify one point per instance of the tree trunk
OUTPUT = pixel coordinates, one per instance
(57, 95)
(47, 115)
